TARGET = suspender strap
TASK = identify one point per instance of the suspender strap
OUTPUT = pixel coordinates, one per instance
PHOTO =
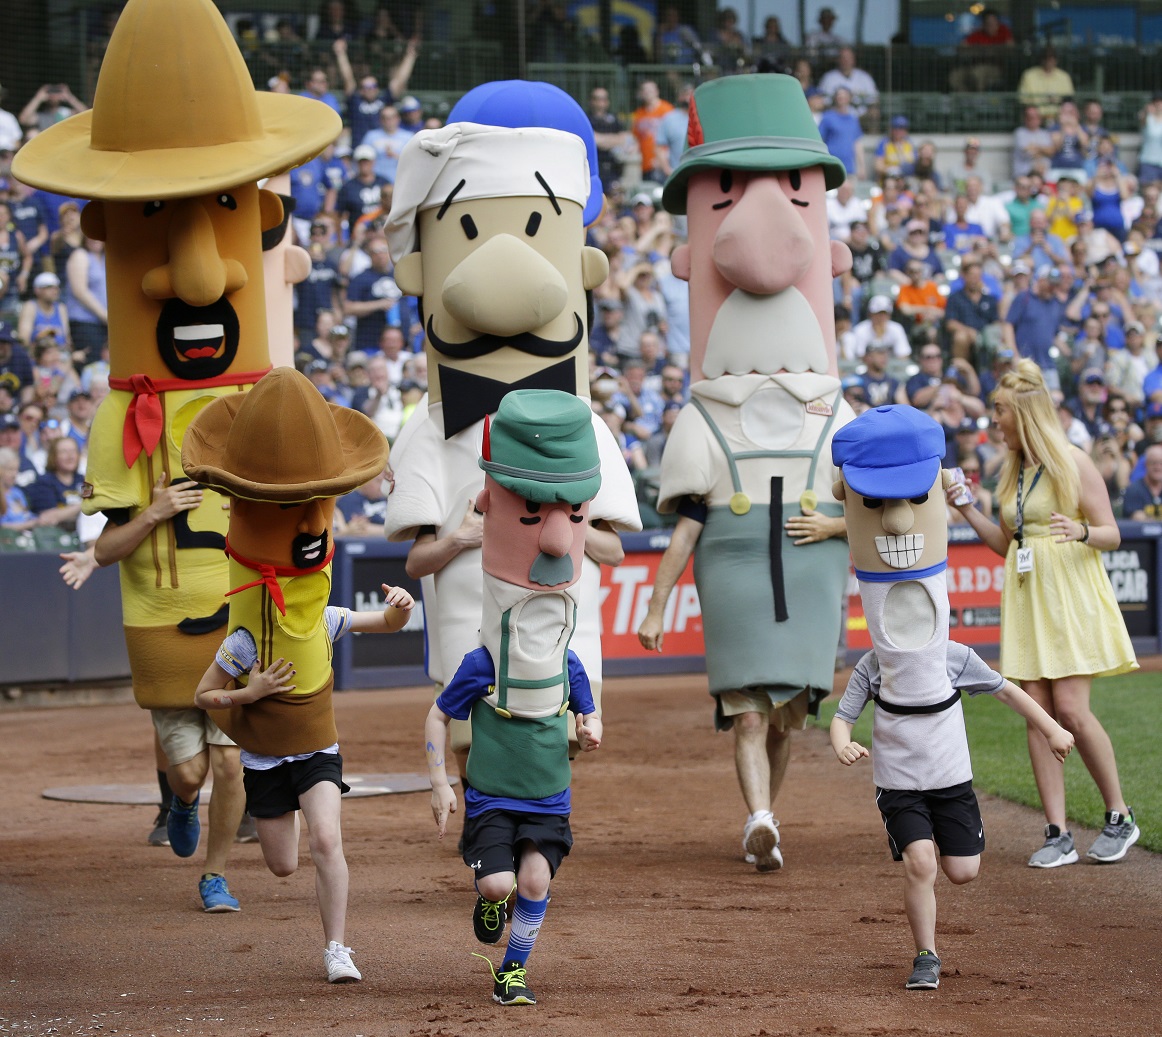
(775, 550)
(734, 479)
(935, 707)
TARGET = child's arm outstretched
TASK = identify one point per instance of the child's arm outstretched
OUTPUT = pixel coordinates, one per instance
(589, 732)
(1018, 700)
(846, 750)
(213, 692)
(398, 606)
(436, 737)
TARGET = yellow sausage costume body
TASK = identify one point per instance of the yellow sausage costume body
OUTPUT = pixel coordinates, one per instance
(171, 152)
(283, 453)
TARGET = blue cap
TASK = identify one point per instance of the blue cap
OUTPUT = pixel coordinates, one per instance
(890, 453)
(515, 103)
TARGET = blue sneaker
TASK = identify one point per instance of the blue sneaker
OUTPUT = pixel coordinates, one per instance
(183, 827)
(216, 895)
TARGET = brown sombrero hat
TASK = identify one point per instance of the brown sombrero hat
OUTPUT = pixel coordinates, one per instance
(281, 441)
(175, 114)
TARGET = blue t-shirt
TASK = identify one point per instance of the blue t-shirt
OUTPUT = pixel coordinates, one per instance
(309, 187)
(363, 115)
(366, 287)
(473, 680)
(1035, 322)
(356, 198)
(962, 239)
(315, 292)
(841, 133)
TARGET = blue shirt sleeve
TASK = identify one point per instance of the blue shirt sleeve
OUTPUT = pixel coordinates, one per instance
(580, 693)
(238, 653)
(471, 682)
(338, 621)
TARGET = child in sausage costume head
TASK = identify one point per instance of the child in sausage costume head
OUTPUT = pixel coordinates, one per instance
(892, 487)
(542, 469)
(283, 454)
(171, 153)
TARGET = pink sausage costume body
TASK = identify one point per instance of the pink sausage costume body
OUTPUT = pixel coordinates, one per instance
(753, 445)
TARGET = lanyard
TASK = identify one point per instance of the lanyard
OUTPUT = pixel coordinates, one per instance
(1021, 501)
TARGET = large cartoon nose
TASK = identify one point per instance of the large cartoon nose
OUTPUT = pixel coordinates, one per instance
(763, 246)
(556, 533)
(505, 288)
(195, 271)
(898, 517)
(313, 519)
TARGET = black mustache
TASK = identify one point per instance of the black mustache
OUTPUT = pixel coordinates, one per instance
(525, 341)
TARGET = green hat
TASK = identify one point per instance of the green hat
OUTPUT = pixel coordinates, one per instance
(760, 121)
(541, 445)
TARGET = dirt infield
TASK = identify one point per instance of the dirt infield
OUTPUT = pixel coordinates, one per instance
(657, 927)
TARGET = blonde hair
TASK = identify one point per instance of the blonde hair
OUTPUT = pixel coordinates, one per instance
(1041, 436)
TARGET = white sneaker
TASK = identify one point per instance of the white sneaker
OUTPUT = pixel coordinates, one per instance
(760, 842)
(340, 967)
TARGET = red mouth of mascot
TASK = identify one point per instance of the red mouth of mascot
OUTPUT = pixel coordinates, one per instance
(197, 342)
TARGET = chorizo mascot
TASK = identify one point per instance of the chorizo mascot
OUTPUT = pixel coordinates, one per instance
(487, 227)
(171, 154)
(748, 463)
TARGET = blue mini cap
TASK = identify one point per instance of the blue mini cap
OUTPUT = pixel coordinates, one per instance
(890, 453)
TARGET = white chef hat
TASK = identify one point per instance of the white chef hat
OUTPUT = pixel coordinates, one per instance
(465, 161)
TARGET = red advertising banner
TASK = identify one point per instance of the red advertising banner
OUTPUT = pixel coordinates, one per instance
(975, 576)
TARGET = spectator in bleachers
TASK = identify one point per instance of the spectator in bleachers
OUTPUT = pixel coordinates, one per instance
(606, 332)
(1126, 369)
(610, 136)
(55, 497)
(677, 43)
(772, 49)
(969, 165)
(365, 99)
(411, 116)
(1040, 247)
(54, 377)
(896, 154)
(1020, 207)
(920, 302)
(854, 393)
(360, 194)
(1143, 497)
(372, 297)
(1045, 85)
(914, 247)
(15, 264)
(1030, 327)
(844, 209)
(16, 366)
(1032, 143)
(653, 359)
(676, 295)
(643, 405)
(1088, 405)
(79, 409)
(645, 309)
(986, 210)
(1094, 127)
(65, 239)
(319, 291)
(1107, 190)
(841, 132)
(879, 331)
(1150, 154)
(865, 95)
(960, 234)
(51, 103)
(381, 402)
(879, 386)
(30, 216)
(388, 142)
(656, 444)
(925, 167)
(969, 462)
(10, 131)
(1070, 142)
(674, 386)
(363, 511)
(825, 41)
(868, 260)
(1107, 151)
(14, 511)
(970, 312)
(646, 119)
(728, 46)
(336, 21)
(317, 88)
(981, 74)
(85, 298)
(45, 312)
(1004, 361)
(921, 387)
(671, 135)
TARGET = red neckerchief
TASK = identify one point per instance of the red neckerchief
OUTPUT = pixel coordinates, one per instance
(142, 430)
(268, 574)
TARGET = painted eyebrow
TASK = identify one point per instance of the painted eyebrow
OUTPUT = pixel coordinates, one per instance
(549, 191)
(448, 201)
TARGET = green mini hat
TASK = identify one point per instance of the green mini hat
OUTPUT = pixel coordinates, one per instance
(760, 121)
(541, 445)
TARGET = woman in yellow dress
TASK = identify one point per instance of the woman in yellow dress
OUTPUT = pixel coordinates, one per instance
(1060, 622)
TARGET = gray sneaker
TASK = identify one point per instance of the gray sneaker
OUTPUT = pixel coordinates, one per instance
(925, 972)
(1058, 849)
(1118, 835)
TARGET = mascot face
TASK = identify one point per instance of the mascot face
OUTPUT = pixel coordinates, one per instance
(185, 282)
(504, 283)
(760, 264)
(296, 535)
(893, 536)
(529, 543)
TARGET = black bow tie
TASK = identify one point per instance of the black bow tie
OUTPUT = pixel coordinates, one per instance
(469, 397)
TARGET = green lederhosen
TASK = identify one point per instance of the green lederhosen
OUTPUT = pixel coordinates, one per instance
(749, 646)
(518, 756)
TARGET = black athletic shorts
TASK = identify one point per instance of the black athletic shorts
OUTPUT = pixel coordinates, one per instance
(491, 840)
(276, 792)
(949, 816)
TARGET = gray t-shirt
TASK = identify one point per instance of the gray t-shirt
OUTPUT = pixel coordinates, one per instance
(919, 750)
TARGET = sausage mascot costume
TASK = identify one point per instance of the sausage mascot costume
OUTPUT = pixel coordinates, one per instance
(748, 463)
(171, 153)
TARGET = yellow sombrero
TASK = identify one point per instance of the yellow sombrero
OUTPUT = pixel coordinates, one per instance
(175, 114)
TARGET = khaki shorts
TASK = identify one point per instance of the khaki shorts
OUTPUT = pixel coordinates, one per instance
(788, 715)
(184, 733)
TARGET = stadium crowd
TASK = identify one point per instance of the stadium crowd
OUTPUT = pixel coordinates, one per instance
(957, 272)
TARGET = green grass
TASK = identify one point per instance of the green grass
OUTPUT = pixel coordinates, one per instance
(1129, 708)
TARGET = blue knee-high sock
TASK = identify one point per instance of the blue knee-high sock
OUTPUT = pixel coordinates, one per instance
(527, 917)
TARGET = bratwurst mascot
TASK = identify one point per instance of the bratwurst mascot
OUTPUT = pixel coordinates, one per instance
(487, 228)
(747, 465)
(171, 152)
